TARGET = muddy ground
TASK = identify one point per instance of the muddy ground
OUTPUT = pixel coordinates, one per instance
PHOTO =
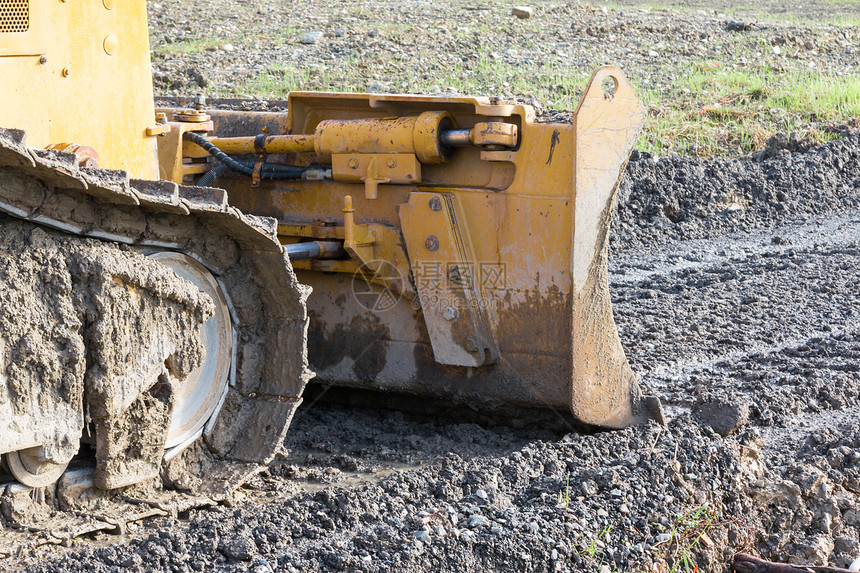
(735, 284)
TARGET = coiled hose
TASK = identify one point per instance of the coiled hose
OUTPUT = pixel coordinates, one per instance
(267, 170)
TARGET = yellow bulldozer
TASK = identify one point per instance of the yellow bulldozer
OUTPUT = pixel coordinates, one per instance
(173, 277)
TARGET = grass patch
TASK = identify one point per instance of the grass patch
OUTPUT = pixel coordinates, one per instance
(712, 108)
(688, 534)
(188, 46)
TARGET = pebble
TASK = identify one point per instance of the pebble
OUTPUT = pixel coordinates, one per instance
(554, 555)
(522, 12)
(261, 566)
(855, 565)
(605, 569)
(481, 494)
(776, 50)
(228, 47)
(339, 32)
(440, 531)
(602, 513)
(478, 521)
(311, 37)
(664, 537)
(422, 536)
(241, 547)
(623, 508)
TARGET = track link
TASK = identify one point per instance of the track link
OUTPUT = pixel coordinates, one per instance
(267, 306)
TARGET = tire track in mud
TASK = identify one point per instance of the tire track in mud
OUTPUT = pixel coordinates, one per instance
(773, 309)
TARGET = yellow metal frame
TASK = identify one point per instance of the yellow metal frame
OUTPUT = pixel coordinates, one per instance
(523, 219)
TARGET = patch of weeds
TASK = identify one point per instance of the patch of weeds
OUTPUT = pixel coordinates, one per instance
(688, 535)
(188, 46)
(596, 546)
(564, 496)
(713, 108)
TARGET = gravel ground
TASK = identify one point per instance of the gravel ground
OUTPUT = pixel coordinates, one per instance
(735, 286)
(406, 46)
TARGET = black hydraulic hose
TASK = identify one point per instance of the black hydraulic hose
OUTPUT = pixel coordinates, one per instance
(210, 176)
(267, 170)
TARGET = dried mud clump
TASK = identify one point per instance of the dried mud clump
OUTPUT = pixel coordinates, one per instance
(93, 328)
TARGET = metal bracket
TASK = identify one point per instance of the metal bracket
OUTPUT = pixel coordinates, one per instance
(375, 168)
(443, 266)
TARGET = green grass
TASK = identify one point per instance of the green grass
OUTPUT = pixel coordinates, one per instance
(189, 46)
(713, 107)
(686, 538)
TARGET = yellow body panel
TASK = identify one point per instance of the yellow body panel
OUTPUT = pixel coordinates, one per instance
(81, 74)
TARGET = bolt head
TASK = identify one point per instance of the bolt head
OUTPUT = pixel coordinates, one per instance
(435, 204)
(391, 163)
(43, 60)
(450, 313)
(353, 163)
(431, 243)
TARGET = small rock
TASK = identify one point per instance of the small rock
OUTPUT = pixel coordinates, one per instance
(652, 54)
(261, 566)
(311, 37)
(377, 87)
(478, 521)
(423, 536)
(440, 531)
(554, 555)
(240, 547)
(522, 12)
(623, 508)
(602, 513)
(604, 569)
(228, 47)
(723, 415)
(738, 27)
(855, 565)
(776, 50)
(339, 32)
(664, 537)
(481, 494)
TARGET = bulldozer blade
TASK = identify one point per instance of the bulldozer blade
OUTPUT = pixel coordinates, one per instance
(603, 389)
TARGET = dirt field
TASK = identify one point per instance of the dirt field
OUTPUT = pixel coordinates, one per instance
(735, 284)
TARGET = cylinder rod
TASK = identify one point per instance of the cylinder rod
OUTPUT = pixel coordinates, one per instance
(456, 137)
(315, 250)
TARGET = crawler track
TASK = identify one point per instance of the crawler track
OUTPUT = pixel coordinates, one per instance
(93, 207)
